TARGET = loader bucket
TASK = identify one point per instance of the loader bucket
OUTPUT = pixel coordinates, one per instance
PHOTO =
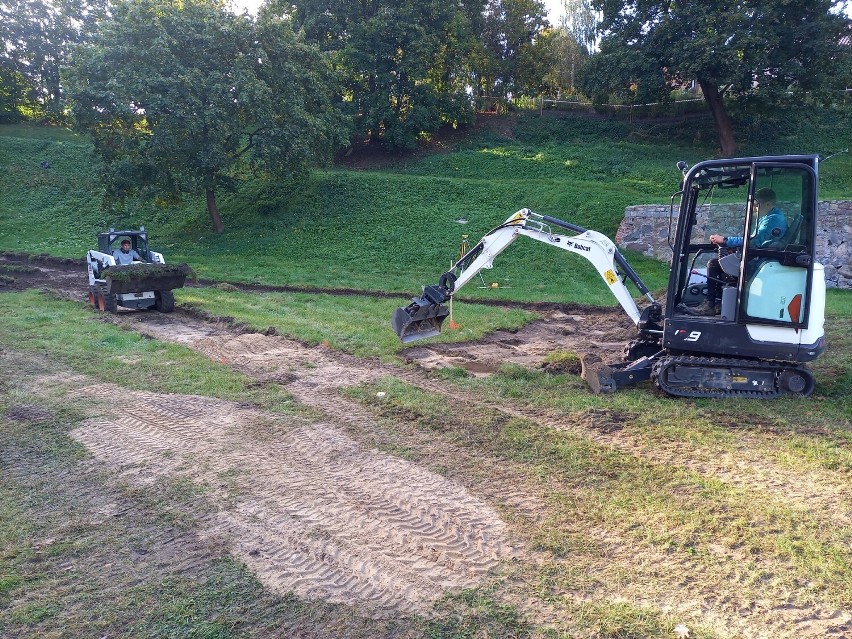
(138, 278)
(420, 319)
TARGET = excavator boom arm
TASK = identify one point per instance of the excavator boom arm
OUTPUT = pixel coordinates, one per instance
(423, 317)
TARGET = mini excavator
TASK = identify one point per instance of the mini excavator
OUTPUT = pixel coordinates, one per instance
(771, 315)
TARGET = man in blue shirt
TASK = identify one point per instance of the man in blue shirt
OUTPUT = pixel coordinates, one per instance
(125, 255)
(771, 226)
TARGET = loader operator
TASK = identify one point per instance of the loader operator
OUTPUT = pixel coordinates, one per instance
(125, 255)
(771, 226)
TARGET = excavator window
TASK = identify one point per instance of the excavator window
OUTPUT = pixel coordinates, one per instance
(777, 268)
(768, 279)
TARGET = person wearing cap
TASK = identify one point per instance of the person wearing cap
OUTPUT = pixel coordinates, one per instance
(125, 255)
(771, 226)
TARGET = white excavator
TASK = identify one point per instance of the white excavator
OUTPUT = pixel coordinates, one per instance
(769, 321)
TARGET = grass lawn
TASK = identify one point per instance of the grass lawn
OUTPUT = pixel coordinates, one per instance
(636, 510)
(393, 228)
(638, 496)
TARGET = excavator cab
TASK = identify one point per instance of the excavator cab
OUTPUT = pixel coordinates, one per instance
(767, 270)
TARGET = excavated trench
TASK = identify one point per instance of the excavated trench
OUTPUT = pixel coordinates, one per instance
(570, 328)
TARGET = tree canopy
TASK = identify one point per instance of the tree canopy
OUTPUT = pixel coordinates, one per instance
(410, 65)
(510, 35)
(38, 37)
(399, 63)
(761, 49)
(177, 94)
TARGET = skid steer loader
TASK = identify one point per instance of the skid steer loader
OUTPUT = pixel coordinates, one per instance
(772, 308)
(145, 283)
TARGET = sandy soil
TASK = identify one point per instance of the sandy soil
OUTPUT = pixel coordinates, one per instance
(568, 329)
(306, 507)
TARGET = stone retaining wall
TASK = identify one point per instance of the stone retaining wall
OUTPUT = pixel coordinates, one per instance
(645, 229)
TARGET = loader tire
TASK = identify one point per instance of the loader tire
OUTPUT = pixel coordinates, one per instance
(164, 301)
(107, 302)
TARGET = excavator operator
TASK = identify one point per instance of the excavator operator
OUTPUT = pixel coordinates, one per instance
(771, 226)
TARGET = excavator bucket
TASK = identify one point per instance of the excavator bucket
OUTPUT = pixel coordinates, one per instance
(136, 278)
(422, 318)
(597, 375)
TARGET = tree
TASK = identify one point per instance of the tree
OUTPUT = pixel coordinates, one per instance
(567, 58)
(400, 61)
(568, 46)
(510, 33)
(761, 49)
(179, 93)
(38, 37)
(580, 20)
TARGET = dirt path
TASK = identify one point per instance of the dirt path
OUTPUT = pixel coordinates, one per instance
(306, 507)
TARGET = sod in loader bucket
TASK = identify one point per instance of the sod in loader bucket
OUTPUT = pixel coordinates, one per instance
(134, 278)
(423, 317)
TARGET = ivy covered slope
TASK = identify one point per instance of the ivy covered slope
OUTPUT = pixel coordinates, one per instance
(398, 223)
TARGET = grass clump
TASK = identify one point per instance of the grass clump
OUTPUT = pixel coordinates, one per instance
(17, 268)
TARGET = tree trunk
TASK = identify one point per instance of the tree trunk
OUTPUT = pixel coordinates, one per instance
(213, 210)
(720, 116)
(53, 97)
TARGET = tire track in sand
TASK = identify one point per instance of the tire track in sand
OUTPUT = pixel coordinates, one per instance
(307, 508)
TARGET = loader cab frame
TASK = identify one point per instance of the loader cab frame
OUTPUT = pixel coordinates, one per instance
(111, 240)
(770, 289)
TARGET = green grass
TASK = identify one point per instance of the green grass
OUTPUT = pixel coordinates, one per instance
(74, 335)
(392, 229)
(356, 324)
(654, 506)
(475, 613)
(66, 570)
(69, 568)
(395, 229)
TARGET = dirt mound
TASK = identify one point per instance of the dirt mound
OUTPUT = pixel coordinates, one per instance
(573, 331)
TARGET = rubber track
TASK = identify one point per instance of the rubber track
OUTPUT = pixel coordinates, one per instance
(716, 362)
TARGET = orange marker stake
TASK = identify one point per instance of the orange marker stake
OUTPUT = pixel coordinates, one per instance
(453, 325)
